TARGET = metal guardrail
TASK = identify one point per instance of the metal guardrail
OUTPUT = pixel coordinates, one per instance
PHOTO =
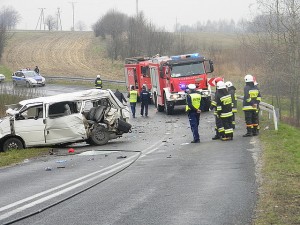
(82, 79)
(273, 112)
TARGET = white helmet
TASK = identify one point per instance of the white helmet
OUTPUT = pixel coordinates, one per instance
(98, 76)
(228, 84)
(191, 86)
(221, 85)
(249, 78)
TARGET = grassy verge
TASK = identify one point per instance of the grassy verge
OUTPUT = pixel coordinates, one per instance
(17, 156)
(5, 71)
(279, 197)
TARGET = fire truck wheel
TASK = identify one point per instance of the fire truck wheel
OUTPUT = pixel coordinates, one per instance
(168, 109)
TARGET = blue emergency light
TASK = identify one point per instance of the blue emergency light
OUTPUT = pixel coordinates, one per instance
(193, 56)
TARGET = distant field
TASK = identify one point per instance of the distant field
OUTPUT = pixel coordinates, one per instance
(60, 53)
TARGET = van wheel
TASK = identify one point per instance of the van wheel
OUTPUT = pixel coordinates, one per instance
(99, 136)
(12, 143)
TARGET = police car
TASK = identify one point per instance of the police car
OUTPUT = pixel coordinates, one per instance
(28, 78)
(2, 78)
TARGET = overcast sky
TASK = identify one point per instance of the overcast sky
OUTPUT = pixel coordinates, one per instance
(163, 13)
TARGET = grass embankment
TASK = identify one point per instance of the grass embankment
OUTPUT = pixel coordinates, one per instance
(279, 201)
(17, 156)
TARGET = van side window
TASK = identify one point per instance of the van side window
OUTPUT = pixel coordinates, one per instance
(62, 109)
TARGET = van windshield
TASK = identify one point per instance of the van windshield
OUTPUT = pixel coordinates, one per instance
(186, 70)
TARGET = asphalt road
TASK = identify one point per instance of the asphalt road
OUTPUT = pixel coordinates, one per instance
(153, 175)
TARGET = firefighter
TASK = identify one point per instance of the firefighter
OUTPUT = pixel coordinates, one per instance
(98, 82)
(133, 97)
(145, 99)
(251, 102)
(218, 122)
(224, 111)
(193, 103)
(231, 90)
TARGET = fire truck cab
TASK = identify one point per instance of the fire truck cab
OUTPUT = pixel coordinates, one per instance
(170, 77)
(137, 73)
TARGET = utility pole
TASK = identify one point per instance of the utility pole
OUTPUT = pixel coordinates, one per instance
(59, 26)
(73, 6)
(137, 8)
(41, 19)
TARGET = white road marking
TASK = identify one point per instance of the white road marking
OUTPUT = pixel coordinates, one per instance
(78, 182)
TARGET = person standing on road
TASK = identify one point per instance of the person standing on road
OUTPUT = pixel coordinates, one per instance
(224, 111)
(218, 122)
(193, 104)
(37, 70)
(231, 90)
(120, 96)
(98, 82)
(133, 97)
(251, 102)
(145, 99)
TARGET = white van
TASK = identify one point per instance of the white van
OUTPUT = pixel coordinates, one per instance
(94, 116)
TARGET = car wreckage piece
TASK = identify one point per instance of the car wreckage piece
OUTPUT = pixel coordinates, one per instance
(93, 116)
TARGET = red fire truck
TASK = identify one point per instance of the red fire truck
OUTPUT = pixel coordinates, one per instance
(137, 73)
(170, 77)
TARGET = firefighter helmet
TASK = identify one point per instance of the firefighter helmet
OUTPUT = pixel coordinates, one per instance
(249, 78)
(221, 85)
(191, 86)
(217, 79)
(228, 84)
(98, 76)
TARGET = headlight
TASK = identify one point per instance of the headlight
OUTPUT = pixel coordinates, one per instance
(174, 96)
(43, 79)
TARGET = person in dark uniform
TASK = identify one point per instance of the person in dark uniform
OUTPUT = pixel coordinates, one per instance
(193, 108)
(231, 90)
(224, 111)
(251, 102)
(120, 96)
(219, 128)
(98, 82)
(145, 99)
(37, 70)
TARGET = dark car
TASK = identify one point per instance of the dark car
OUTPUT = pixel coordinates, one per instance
(28, 78)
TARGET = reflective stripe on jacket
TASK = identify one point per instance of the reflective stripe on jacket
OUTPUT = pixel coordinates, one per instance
(252, 97)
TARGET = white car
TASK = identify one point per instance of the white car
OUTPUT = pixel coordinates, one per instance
(94, 116)
(2, 78)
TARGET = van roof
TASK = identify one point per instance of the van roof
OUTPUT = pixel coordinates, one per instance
(73, 96)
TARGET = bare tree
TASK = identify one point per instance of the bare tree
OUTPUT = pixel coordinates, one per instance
(50, 22)
(80, 25)
(277, 44)
(9, 17)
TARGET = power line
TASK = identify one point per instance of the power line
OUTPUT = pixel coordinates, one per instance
(73, 6)
(59, 26)
(41, 19)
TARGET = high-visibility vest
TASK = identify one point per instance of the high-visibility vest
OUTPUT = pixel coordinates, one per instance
(196, 99)
(133, 96)
(98, 83)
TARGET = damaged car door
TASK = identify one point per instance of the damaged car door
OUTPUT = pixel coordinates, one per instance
(64, 123)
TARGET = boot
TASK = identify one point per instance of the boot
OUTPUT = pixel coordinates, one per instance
(217, 136)
(254, 131)
(249, 132)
